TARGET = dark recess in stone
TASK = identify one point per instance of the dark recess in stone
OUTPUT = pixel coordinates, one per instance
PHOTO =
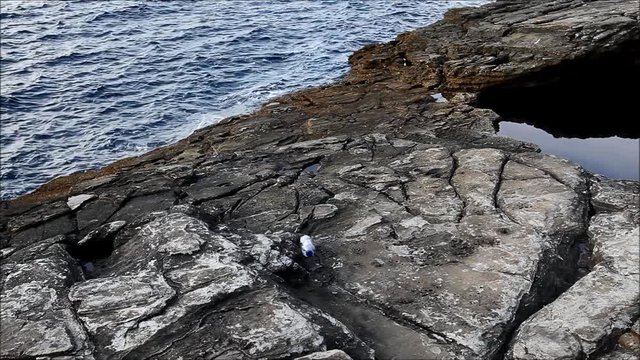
(568, 265)
(595, 96)
(95, 250)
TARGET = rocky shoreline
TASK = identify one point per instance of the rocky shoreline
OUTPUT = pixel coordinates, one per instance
(436, 239)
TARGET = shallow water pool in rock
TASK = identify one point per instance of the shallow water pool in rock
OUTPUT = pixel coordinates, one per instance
(614, 157)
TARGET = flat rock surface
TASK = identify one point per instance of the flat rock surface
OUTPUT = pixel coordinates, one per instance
(434, 237)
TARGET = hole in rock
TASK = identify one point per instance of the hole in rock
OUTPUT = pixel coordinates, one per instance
(91, 255)
(585, 110)
(92, 251)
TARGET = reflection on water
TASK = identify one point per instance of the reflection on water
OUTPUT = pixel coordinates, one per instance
(613, 157)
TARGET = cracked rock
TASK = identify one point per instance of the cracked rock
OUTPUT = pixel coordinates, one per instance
(437, 238)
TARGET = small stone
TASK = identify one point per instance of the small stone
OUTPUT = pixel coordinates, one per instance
(376, 137)
(350, 168)
(464, 98)
(75, 202)
(378, 262)
(360, 228)
(284, 180)
(265, 174)
(6, 252)
(186, 209)
(324, 211)
(416, 221)
(630, 341)
(439, 98)
(182, 243)
(402, 143)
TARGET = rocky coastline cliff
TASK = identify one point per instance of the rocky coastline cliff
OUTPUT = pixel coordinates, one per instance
(435, 238)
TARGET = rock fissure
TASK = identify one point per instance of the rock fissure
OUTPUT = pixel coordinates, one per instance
(242, 201)
(121, 204)
(567, 265)
(496, 189)
(296, 207)
(231, 192)
(454, 168)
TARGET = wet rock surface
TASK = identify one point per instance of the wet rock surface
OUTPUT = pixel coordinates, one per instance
(435, 238)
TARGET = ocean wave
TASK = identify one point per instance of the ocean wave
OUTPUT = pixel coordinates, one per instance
(87, 82)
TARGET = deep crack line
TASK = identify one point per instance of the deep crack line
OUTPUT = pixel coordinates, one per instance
(397, 317)
(454, 168)
(549, 174)
(296, 206)
(387, 312)
(496, 191)
(383, 193)
(227, 193)
(242, 201)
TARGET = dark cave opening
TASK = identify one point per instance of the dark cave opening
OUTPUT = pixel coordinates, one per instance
(594, 96)
(89, 254)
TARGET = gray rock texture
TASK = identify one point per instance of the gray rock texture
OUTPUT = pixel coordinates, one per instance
(605, 302)
(435, 238)
(326, 355)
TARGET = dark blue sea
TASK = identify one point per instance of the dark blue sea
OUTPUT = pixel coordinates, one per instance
(87, 82)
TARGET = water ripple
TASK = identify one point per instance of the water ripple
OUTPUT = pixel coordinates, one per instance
(87, 82)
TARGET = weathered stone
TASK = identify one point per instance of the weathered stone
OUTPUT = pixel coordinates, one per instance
(432, 196)
(360, 228)
(37, 317)
(92, 184)
(266, 323)
(627, 346)
(602, 303)
(636, 327)
(223, 183)
(544, 203)
(111, 307)
(265, 209)
(38, 216)
(32, 235)
(174, 267)
(326, 355)
(96, 212)
(618, 355)
(76, 201)
(498, 43)
(434, 237)
(101, 233)
(324, 211)
(476, 179)
(630, 341)
(143, 204)
(167, 235)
